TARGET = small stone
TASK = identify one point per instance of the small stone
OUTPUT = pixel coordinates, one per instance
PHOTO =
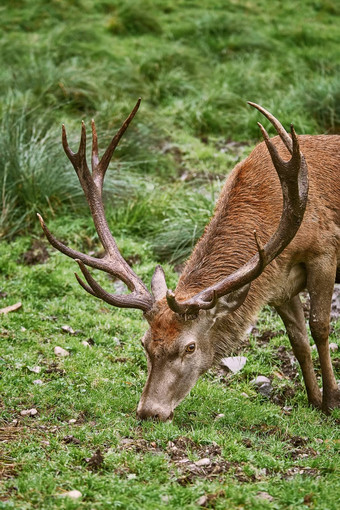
(165, 498)
(261, 379)
(219, 416)
(333, 347)
(287, 409)
(29, 412)
(38, 382)
(67, 329)
(72, 494)
(203, 462)
(245, 395)
(60, 352)
(265, 389)
(72, 421)
(202, 501)
(35, 370)
(131, 476)
(234, 363)
(23, 329)
(86, 344)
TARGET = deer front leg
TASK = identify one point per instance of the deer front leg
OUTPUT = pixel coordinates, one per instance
(320, 284)
(293, 318)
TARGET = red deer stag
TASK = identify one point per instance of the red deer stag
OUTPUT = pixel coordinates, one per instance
(272, 235)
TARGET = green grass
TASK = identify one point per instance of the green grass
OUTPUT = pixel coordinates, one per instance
(100, 386)
(195, 64)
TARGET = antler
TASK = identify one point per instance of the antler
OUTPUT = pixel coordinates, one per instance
(293, 177)
(112, 262)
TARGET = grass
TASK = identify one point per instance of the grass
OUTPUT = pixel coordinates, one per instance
(286, 452)
(195, 64)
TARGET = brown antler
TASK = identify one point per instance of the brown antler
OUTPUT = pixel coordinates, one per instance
(112, 262)
(293, 177)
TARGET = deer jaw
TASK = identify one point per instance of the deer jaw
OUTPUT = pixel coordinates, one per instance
(175, 362)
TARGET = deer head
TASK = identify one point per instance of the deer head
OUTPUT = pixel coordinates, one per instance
(178, 343)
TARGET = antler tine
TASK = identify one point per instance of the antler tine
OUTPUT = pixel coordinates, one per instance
(277, 125)
(112, 262)
(293, 175)
(94, 159)
(132, 300)
(100, 168)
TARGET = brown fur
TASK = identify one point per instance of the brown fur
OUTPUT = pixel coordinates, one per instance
(252, 199)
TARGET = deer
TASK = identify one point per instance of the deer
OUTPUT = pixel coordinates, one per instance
(275, 232)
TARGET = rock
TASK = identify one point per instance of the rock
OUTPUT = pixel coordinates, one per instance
(234, 363)
(71, 494)
(203, 462)
(86, 344)
(202, 501)
(29, 412)
(37, 381)
(60, 352)
(265, 389)
(35, 370)
(219, 416)
(259, 380)
(245, 395)
(72, 421)
(67, 329)
(333, 347)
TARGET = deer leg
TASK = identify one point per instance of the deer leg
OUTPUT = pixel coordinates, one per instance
(293, 318)
(320, 284)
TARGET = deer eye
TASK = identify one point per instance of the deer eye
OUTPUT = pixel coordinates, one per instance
(190, 348)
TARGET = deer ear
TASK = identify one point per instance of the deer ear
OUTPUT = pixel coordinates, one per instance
(234, 300)
(158, 284)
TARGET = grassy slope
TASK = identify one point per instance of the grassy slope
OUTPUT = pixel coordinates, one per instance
(195, 66)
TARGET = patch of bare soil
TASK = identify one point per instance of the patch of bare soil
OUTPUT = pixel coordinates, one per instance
(8, 468)
(209, 463)
(37, 254)
(264, 337)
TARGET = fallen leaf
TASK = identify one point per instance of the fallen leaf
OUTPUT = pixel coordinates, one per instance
(234, 363)
(11, 308)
